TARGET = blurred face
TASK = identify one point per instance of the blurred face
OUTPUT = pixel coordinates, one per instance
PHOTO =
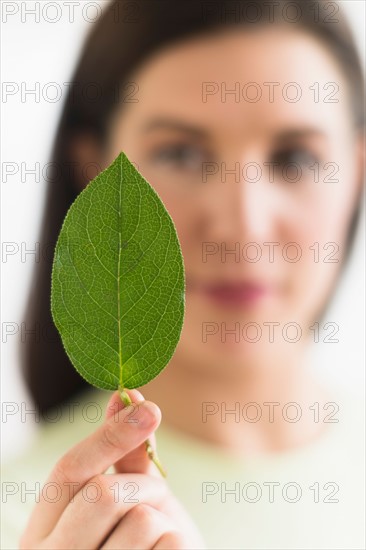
(260, 179)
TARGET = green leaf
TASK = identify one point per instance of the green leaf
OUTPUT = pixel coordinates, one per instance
(118, 284)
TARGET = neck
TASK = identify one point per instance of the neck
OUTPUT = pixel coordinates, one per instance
(256, 410)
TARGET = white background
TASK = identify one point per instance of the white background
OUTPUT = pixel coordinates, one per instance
(46, 52)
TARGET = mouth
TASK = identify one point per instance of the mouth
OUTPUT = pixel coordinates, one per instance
(234, 294)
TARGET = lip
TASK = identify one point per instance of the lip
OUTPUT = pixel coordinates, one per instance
(240, 294)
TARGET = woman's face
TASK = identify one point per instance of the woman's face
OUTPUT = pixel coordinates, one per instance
(261, 192)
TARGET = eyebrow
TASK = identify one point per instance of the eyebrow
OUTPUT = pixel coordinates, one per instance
(173, 124)
(298, 133)
(291, 134)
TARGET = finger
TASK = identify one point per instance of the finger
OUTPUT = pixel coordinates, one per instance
(172, 541)
(92, 456)
(140, 528)
(137, 460)
(98, 508)
(115, 403)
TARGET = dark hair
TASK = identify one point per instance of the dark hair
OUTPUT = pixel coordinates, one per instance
(123, 37)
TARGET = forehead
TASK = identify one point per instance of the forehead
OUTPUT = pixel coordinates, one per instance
(256, 78)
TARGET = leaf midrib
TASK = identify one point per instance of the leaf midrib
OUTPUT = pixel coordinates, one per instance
(118, 276)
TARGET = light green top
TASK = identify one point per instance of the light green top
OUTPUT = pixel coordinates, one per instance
(256, 514)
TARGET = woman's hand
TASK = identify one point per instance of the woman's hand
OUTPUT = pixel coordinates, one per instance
(130, 509)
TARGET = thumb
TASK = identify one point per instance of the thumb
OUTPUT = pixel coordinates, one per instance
(137, 461)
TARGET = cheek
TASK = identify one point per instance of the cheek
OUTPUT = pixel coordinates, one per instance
(320, 227)
(187, 213)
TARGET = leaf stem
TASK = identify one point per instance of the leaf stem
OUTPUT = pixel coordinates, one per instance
(126, 400)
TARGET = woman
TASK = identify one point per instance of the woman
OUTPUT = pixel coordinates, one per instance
(247, 119)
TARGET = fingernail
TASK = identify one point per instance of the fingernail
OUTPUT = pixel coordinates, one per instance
(147, 414)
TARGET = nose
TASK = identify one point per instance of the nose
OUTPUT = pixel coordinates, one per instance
(241, 205)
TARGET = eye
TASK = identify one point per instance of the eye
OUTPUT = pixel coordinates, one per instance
(180, 157)
(300, 156)
(294, 164)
